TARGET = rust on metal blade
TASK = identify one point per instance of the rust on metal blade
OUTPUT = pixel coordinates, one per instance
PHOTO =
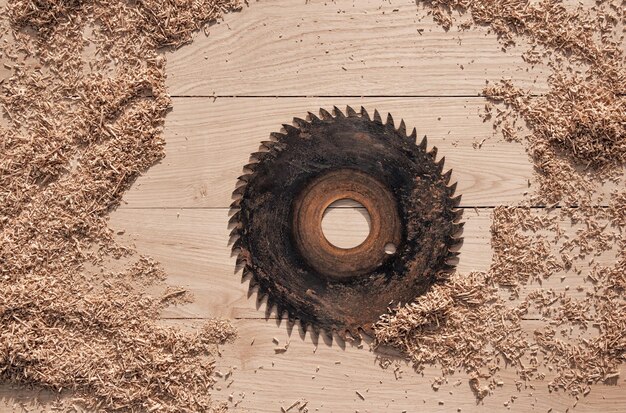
(282, 199)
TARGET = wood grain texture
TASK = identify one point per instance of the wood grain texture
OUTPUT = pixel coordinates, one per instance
(208, 142)
(344, 48)
(328, 376)
(193, 246)
(177, 212)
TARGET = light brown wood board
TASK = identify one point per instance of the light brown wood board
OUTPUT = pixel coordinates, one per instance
(279, 59)
(209, 141)
(344, 48)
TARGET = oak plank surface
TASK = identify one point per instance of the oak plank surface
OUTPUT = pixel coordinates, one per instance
(344, 48)
(328, 377)
(209, 142)
(193, 246)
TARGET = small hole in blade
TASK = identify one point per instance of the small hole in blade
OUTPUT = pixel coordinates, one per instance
(390, 248)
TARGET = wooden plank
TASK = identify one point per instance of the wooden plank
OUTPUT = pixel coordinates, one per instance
(328, 377)
(193, 246)
(208, 142)
(339, 48)
(14, 399)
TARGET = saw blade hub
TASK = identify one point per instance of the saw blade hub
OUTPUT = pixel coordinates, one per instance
(309, 206)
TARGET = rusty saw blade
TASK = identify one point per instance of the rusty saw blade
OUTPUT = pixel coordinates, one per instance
(279, 205)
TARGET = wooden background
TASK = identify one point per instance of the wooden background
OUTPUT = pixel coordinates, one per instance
(256, 70)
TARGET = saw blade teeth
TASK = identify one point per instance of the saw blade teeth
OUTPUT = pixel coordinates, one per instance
(236, 231)
(269, 306)
(251, 166)
(452, 256)
(291, 319)
(458, 228)
(341, 333)
(235, 219)
(234, 235)
(433, 153)
(413, 136)
(458, 214)
(253, 283)
(312, 117)
(301, 124)
(236, 204)
(456, 201)
(241, 262)
(351, 112)
(325, 115)
(447, 176)
(377, 117)
(424, 143)
(402, 128)
(338, 113)
(268, 144)
(240, 190)
(365, 114)
(277, 136)
(440, 164)
(260, 155)
(244, 178)
(389, 123)
(260, 297)
(237, 245)
(351, 336)
(452, 189)
(290, 129)
(281, 313)
(303, 325)
(446, 267)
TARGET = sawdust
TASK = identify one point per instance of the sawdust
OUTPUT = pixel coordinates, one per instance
(481, 322)
(575, 135)
(578, 132)
(447, 326)
(84, 106)
(579, 125)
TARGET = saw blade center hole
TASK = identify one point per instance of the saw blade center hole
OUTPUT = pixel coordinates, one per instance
(346, 223)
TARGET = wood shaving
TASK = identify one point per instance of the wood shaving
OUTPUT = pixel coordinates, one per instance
(84, 106)
(81, 130)
(576, 141)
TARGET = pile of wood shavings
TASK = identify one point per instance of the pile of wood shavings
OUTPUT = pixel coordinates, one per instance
(448, 326)
(581, 122)
(467, 323)
(577, 139)
(83, 107)
(578, 126)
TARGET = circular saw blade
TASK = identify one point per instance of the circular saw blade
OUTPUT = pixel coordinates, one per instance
(280, 202)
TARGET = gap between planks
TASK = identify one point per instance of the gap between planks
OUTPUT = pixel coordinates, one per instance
(363, 96)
